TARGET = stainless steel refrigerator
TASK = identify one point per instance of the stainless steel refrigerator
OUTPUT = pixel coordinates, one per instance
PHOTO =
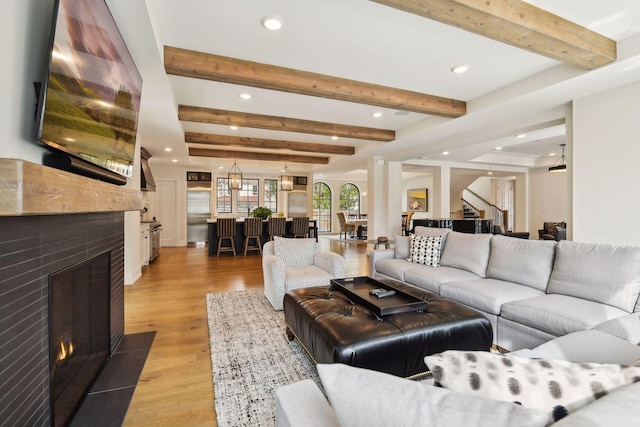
(198, 211)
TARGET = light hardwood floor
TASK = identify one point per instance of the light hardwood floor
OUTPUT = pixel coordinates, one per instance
(176, 386)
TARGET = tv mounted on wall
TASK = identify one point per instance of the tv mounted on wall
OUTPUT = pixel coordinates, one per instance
(90, 98)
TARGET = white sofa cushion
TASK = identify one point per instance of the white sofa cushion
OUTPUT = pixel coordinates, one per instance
(597, 272)
(625, 327)
(559, 314)
(556, 386)
(585, 346)
(487, 294)
(527, 262)
(365, 398)
(394, 267)
(467, 251)
(431, 278)
(402, 246)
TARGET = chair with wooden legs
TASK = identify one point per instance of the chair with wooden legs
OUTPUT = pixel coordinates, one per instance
(252, 230)
(276, 227)
(300, 227)
(226, 230)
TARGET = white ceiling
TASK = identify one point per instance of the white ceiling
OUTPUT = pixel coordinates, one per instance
(507, 90)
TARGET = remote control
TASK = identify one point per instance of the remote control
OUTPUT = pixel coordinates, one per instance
(377, 291)
(386, 293)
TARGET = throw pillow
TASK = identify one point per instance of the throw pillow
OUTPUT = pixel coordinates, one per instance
(425, 250)
(294, 252)
(556, 386)
(402, 246)
(365, 398)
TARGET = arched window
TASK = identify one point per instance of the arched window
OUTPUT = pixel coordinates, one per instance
(322, 206)
(350, 199)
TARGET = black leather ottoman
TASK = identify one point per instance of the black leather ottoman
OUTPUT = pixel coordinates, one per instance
(334, 330)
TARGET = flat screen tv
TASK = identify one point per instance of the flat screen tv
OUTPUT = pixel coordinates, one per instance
(90, 97)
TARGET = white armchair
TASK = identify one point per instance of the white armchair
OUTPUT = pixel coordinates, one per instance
(296, 263)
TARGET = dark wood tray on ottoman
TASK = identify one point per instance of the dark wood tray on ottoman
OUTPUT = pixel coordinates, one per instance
(357, 289)
(334, 327)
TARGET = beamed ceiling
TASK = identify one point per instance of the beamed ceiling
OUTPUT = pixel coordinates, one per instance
(316, 82)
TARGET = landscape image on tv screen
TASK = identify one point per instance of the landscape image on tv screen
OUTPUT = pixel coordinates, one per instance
(90, 107)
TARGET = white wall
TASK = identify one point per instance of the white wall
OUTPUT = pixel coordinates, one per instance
(548, 193)
(420, 182)
(26, 31)
(606, 176)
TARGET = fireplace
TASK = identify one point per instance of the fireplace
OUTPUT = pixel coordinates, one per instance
(32, 250)
(79, 332)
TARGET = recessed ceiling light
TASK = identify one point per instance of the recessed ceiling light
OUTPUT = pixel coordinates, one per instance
(459, 69)
(552, 154)
(245, 95)
(445, 153)
(521, 135)
(489, 173)
(272, 22)
(233, 127)
(174, 160)
(168, 149)
(220, 167)
(376, 114)
(498, 148)
(401, 113)
(334, 138)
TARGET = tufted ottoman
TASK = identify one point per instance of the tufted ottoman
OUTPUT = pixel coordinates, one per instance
(333, 329)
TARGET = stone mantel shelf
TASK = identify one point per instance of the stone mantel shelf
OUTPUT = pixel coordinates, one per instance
(30, 189)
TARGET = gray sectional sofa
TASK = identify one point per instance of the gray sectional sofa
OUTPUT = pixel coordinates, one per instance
(564, 301)
(532, 291)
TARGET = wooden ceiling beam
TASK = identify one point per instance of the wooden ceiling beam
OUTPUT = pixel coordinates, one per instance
(189, 63)
(250, 155)
(228, 118)
(519, 24)
(269, 144)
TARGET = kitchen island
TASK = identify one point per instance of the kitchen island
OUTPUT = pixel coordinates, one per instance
(239, 237)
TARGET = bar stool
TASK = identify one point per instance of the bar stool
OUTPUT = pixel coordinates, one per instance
(252, 230)
(276, 227)
(300, 227)
(226, 229)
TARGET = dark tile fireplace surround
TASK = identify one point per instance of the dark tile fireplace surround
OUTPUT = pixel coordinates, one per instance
(51, 220)
(32, 248)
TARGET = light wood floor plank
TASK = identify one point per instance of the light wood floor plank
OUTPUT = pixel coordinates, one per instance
(176, 386)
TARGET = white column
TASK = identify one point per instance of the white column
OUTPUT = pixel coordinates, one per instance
(441, 192)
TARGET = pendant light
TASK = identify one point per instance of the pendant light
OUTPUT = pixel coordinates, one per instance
(562, 166)
(235, 177)
(286, 179)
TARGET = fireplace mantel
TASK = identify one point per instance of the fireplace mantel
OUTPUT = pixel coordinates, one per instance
(30, 189)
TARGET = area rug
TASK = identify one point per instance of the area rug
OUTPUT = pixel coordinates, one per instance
(251, 357)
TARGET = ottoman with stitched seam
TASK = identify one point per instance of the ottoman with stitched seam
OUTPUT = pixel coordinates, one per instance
(333, 329)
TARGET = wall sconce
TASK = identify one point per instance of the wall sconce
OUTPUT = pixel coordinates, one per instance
(286, 179)
(235, 177)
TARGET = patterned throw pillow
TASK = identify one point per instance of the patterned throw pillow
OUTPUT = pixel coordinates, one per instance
(425, 250)
(556, 386)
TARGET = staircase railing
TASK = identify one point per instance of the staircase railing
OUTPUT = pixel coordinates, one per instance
(499, 216)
